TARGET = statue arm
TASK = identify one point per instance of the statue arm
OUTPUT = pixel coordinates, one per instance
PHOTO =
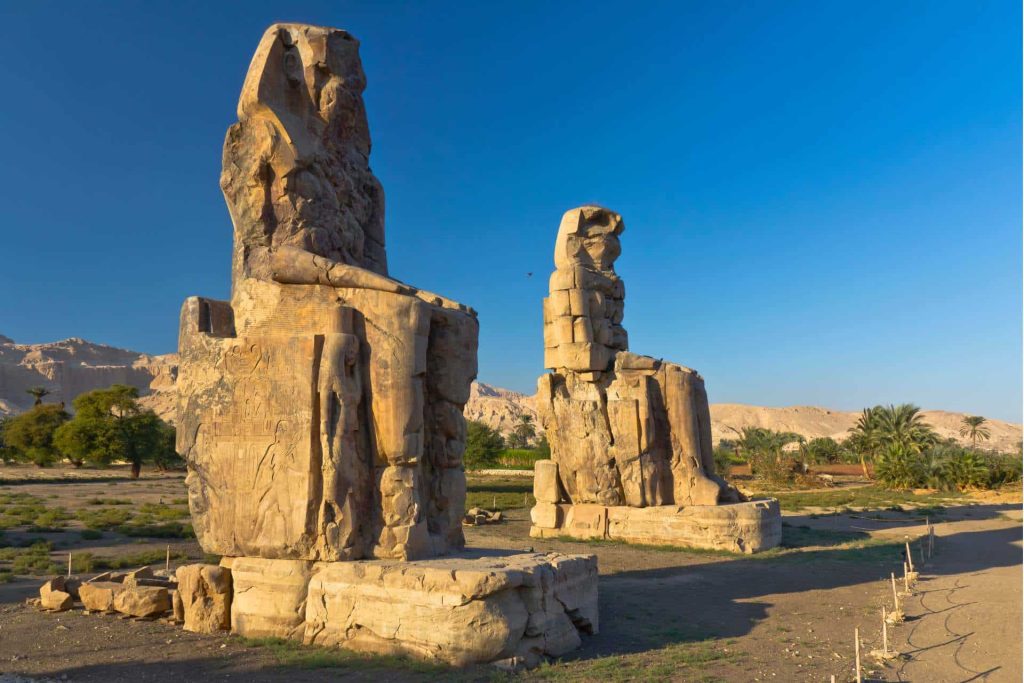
(294, 266)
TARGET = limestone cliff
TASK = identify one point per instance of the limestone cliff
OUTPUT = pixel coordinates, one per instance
(74, 366)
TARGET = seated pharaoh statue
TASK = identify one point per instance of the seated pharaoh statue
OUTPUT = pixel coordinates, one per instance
(625, 430)
(320, 411)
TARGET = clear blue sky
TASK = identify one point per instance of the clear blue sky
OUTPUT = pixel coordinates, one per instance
(822, 199)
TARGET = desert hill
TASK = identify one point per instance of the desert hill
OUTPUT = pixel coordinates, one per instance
(73, 366)
(500, 408)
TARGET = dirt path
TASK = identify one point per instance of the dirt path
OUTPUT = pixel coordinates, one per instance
(966, 619)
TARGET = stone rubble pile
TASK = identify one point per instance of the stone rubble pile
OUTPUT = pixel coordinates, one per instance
(479, 517)
(198, 596)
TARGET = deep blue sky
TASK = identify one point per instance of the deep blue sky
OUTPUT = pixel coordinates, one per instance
(822, 199)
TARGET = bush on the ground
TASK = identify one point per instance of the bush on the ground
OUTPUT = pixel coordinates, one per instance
(29, 437)
(483, 445)
(110, 425)
(521, 458)
(945, 467)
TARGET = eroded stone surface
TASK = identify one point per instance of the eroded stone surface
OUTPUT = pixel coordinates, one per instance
(747, 527)
(142, 601)
(627, 432)
(320, 411)
(52, 595)
(624, 429)
(458, 610)
(204, 592)
(98, 596)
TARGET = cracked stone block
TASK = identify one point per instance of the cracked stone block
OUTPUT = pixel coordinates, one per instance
(458, 610)
(204, 591)
(737, 527)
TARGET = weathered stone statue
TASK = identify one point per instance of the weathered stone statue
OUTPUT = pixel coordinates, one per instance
(320, 410)
(625, 430)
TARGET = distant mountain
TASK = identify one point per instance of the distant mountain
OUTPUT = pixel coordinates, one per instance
(74, 366)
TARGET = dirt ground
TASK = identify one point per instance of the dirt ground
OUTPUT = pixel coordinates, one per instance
(666, 614)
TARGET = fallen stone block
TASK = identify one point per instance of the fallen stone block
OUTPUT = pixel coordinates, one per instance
(52, 595)
(98, 596)
(142, 601)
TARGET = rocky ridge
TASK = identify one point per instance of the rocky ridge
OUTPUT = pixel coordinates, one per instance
(73, 366)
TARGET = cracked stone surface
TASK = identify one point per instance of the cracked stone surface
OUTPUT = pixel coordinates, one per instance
(320, 410)
(626, 431)
(460, 610)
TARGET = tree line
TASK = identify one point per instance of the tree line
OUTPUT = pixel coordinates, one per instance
(109, 425)
(893, 444)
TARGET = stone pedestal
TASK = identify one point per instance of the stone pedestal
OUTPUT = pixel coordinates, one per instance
(747, 527)
(472, 608)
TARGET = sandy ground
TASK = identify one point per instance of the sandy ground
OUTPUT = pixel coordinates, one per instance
(965, 620)
(788, 617)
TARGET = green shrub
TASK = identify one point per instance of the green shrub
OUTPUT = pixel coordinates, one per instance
(723, 460)
(822, 450)
(34, 560)
(520, 458)
(1003, 469)
(899, 468)
(168, 530)
(104, 518)
(483, 446)
(945, 467)
(966, 470)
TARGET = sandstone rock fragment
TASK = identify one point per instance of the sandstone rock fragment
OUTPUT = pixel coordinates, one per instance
(205, 594)
(52, 595)
(98, 596)
(142, 601)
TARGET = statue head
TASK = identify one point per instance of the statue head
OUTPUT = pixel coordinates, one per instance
(296, 167)
(588, 236)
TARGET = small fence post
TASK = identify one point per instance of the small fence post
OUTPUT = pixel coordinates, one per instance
(856, 651)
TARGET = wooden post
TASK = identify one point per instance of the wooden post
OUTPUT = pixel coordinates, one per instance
(885, 634)
(910, 559)
(69, 564)
(856, 652)
(494, 504)
(906, 579)
(167, 564)
(895, 597)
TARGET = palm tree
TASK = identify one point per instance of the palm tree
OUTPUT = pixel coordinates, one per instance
(973, 428)
(38, 393)
(904, 425)
(865, 437)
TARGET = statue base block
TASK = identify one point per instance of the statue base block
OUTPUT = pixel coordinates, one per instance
(748, 527)
(475, 607)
